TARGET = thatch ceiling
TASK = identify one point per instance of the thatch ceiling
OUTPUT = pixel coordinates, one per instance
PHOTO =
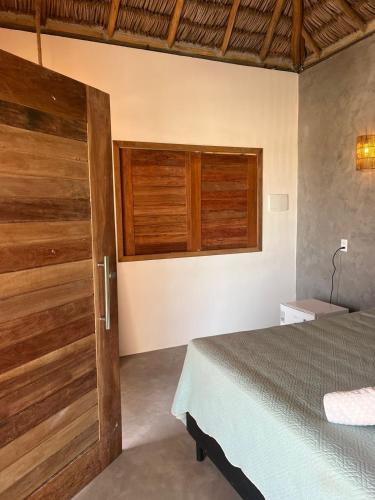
(283, 34)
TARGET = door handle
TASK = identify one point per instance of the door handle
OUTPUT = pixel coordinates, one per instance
(107, 292)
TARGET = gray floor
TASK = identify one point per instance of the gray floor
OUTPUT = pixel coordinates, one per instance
(158, 458)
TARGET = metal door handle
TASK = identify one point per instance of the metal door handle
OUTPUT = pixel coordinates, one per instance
(107, 292)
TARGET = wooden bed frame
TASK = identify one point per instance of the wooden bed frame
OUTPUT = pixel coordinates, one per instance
(207, 446)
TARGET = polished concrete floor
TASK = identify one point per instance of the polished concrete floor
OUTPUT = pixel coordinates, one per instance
(158, 458)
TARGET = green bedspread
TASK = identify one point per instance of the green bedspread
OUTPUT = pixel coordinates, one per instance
(260, 395)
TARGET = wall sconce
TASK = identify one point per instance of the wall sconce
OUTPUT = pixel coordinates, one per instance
(365, 152)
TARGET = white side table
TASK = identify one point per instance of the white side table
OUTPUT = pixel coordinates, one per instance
(307, 310)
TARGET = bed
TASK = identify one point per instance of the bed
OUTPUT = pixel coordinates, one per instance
(257, 396)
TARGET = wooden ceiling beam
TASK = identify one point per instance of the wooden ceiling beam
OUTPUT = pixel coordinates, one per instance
(112, 19)
(297, 19)
(172, 31)
(311, 43)
(271, 29)
(26, 22)
(38, 11)
(348, 10)
(230, 25)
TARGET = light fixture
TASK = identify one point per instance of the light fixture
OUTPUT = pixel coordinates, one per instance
(365, 152)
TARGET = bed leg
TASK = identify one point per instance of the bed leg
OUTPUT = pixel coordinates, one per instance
(201, 454)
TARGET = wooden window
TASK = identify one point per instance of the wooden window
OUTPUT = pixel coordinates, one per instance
(176, 201)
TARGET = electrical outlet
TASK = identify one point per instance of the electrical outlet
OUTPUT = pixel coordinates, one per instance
(344, 245)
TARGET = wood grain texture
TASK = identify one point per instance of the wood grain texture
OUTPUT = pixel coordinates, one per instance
(119, 200)
(35, 414)
(40, 300)
(31, 439)
(72, 369)
(17, 283)
(104, 243)
(267, 42)
(46, 145)
(43, 253)
(28, 118)
(172, 30)
(128, 206)
(52, 455)
(194, 202)
(169, 185)
(36, 232)
(185, 147)
(37, 165)
(230, 25)
(229, 201)
(31, 371)
(18, 186)
(253, 202)
(52, 344)
(65, 483)
(39, 209)
(32, 348)
(36, 244)
(112, 19)
(155, 190)
(41, 88)
(13, 380)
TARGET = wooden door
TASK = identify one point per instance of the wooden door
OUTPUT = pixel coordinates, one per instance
(60, 419)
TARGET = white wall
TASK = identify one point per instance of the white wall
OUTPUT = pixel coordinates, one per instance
(166, 98)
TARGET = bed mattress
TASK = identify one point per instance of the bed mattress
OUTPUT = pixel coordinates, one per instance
(260, 395)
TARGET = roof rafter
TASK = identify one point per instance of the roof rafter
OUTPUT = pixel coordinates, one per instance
(174, 22)
(297, 19)
(271, 28)
(348, 10)
(340, 44)
(230, 25)
(311, 43)
(112, 19)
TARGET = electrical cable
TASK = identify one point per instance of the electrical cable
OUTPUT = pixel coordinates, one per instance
(334, 271)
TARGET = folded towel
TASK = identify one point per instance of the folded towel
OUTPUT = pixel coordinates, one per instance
(351, 407)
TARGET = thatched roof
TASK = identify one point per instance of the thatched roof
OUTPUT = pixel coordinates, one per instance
(284, 34)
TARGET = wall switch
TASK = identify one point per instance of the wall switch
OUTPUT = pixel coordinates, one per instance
(344, 245)
(278, 202)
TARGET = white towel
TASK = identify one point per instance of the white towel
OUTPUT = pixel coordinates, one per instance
(351, 407)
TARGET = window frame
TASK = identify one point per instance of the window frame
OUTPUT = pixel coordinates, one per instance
(118, 145)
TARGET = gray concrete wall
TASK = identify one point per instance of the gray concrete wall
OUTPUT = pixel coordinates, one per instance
(337, 103)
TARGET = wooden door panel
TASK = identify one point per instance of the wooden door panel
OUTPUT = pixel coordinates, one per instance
(41, 88)
(29, 418)
(35, 164)
(20, 282)
(23, 328)
(71, 369)
(59, 373)
(28, 118)
(50, 146)
(42, 367)
(16, 449)
(18, 186)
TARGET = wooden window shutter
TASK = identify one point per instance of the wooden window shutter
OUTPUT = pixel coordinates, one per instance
(175, 200)
(156, 195)
(229, 206)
